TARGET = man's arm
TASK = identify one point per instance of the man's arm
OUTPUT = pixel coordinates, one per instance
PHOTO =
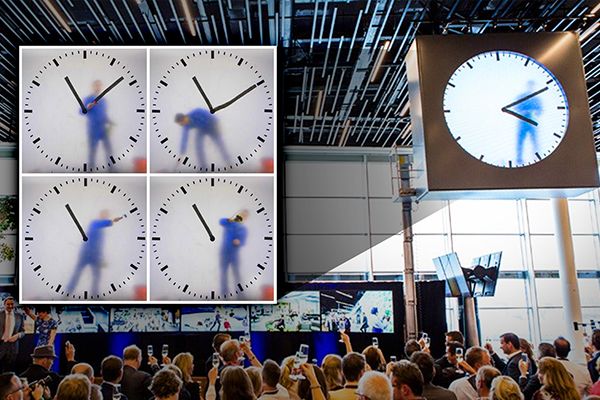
(184, 139)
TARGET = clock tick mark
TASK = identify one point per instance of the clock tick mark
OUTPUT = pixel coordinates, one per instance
(112, 62)
(133, 82)
(260, 210)
(113, 188)
(28, 111)
(113, 160)
(164, 83)
(240, 159)
(212, 181)
(212, 167)
(240, 189)
(469, 65)
(84, 181)
(538, 156)
(140, 110)
(212, 54)
(240, 62)
(260, 266)
(37, 268)
(212, 295)
(29, 238)
(112, 286)
(260, 139)
(55, 62)
(240, 287)
(133, 210)
(141, 238)
(268, 238)
(156, 111)
(84, 54)
(185, 288)
(35, 83)
(164, 268)
(183, 62)
(37, 211)
(185, 160)
(56, 190)
(183, 190)
(36, 140)
(557, 135)
(164, 211)
(134, 140)
(155, 237)
(164, 141)
(260, 83)
(451, 84)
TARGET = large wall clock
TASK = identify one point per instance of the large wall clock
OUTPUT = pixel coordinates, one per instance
(213, 110)
(500, 116)
(83, 238)
(83, 109)
(213, 239)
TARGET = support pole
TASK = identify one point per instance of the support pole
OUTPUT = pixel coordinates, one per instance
(568, 278)
(472, 336)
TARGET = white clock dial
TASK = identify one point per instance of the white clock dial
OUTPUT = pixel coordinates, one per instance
(213, 110)
(506, 109)
(83, 238)
(201, 251)
(83, 110)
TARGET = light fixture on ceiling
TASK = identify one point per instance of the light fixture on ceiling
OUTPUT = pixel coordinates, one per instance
(57, 15)
(188, 17)
(318, 103)
(344, 136)
(589, 31)
(379, 61)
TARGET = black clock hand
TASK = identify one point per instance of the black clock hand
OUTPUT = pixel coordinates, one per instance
(210, 235)
(236, 98)
(521, 117)
(83, 235)
(204, 96)
(525, 98)
(83, 109)
(108, 89)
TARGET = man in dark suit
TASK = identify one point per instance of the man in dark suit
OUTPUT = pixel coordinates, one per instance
(595, 355)
(135, 383)
(509, 343)
(112, 372)
(11, 330)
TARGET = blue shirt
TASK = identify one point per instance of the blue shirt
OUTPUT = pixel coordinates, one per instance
(200, 119)
(95, 237)
(96, 117)
(43, 328)
(233, 230)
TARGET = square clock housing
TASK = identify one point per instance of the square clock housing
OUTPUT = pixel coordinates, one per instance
(500, 116)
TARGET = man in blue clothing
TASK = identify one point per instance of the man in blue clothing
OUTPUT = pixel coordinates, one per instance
(205, 124)
(527, 130)
(97, 125)
(91, 251)
(234, 238)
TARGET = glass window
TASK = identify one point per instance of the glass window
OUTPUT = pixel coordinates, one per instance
(428, 217)
(552, 323)
(8, 267)
(549, 292)
(539, 213)
(471, 246)
(586, 252)
(509, 293)
(308, 254)
(580, 215)
(484, 216)
(543, 250)
(388, 254)
(428, 247)
(494, 323)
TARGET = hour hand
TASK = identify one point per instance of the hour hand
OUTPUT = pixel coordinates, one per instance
(521, 117)
(236, 98)
(83, 109)
(204, 96)
(76, 221)
(201, 218)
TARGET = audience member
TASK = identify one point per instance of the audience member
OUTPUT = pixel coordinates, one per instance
(595, 355)
(595, 389)
(87, 370)
(315, 385)
(557, 383)
(446, 368)
(42, 359)
(11, 388)
(165, 385)
(74, 387)
(466, 388)
(505, 388)
(426, 365)
(407, 381)
(134, 383)
(374, 358)
(217, 341)
(580, 374)
(185, 363)
(254, 373)
(235, 385)
(455, 336)
(411, 347)
(374, 385)
(111, 370)
(271, 389)
(332, 368)
(526, 348)
(353, 368)
(483, 381)
(509, 343)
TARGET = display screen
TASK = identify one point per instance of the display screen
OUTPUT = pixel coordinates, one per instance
(135, 319)
(80, 319)
(214, 319)
(295, 312)
(357, 311)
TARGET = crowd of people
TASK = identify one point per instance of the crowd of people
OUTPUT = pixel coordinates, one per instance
(512, 372)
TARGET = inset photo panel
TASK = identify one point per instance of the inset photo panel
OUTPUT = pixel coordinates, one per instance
(83, 109)
(213, 239)
(83, 239)
(213, 109)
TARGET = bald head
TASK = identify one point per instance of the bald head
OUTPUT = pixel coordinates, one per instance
(84, 369)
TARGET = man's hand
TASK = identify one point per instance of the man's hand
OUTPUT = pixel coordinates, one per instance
(166, 360)
(524, 367)
(213, 374)
(345, 338)
(91, 105)
(69, 351)
(152, 360)
(489, 348)
(245, 347)
(236, 242)
(117, 219)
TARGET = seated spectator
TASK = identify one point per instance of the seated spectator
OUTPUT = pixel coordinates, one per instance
(166, 385)
(407, 380)
(291, 385)
(557, 383)
(111, 370)
(505, 388)
(580, 374)
(446, 368)
(466, 388)
(426, 365)
(483, 381)
(353, 368)
(254, 373)
(411, 347)
(271, 389)
(87, 370)
(74, 387)
(332, 368)
(374, 386)
(511, 347)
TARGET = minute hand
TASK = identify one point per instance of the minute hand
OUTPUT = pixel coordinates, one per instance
(108, 89)
(525, 98)
(236, 98)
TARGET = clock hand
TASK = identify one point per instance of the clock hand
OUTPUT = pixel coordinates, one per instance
(521, 117)
(108, 89)
(525, 98)
(236, 98)
(83, 235)
(204, 96)
(210, 235)
(83, 109)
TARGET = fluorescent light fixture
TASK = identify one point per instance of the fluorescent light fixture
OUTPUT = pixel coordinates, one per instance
(589, 31)
(404, 111)
(379, 61)
(57, 15)
(188, 16)
(595, 9)
(343, 139)
(345, 294)
(318, 103)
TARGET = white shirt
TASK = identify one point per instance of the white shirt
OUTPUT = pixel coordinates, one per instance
(581, 376)
(280, 394)
(9, 325)
(463, 390)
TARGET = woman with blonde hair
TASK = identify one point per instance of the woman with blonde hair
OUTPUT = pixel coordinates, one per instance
(557, 383)
(185, 362)
(332, 368)
(235, 384)
(505, 388)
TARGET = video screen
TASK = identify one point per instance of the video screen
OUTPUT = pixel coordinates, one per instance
(153, 319)
(357, 311)
(214, 319)
(295, 312)
(81, 319)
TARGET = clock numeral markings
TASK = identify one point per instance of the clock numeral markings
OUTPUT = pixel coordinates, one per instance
(446, 111)
(133, 82)
(268, 110)
(85, 294)
(36, 211)
(549, 82)
(164, 83)
(28, 111)
(509, 164)
(133, 266)
(260, 139)
(240, 62)
(36, 140)
(29, 238)
(163, 211)
(260, 210)
(240, 159)
(481, 158)
(113, 188)
(240, 189)
(112, 159)
(164, 141)
(58, 288)
(57, 161)
(84, 167)
(526, 62)
(458, 138)
(538, 156)
(183, 62)
(134, 209)
(35, 83)
(183, 190)
(260, 266)
(56, 190)
(55, 62)
(112, 286)
(134, 140)
(37, 268)
(164, 268)
(497, 56)
(469, 65)
(112, 61)
(185, 288)
(240, 287)
(212, 54)
(560, 107)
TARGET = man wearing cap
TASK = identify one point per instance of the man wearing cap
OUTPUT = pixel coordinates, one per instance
(11, 330)
(234, 237)
(43, 358)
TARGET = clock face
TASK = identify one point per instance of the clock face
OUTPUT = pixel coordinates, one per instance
(506, 109)
(83, 110)
(213, 110)
(83, 238)
(213, 239)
